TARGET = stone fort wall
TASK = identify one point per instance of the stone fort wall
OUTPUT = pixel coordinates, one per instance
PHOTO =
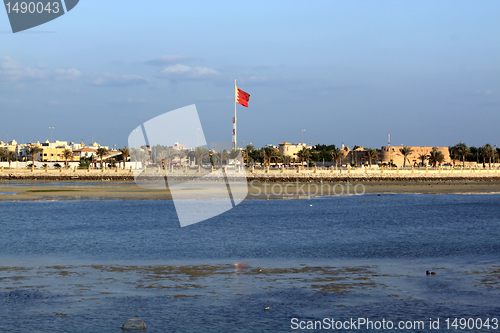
(392, 153)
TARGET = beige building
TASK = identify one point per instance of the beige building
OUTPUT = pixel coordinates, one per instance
(357, 156)
(9, 146)
(291, 149)
(178, 146)
(393, 153)
(85, 152)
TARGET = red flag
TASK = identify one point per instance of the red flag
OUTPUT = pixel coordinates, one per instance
(242, 97)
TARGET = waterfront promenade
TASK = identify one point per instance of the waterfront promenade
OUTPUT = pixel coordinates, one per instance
(259, 174)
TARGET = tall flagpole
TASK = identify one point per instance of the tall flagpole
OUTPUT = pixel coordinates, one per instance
(234, 119)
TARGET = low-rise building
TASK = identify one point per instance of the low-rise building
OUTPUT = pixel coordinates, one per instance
(178, 146)
(9, 146)
(85, 152)
(291, 149)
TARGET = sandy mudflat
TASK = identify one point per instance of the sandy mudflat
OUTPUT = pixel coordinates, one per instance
(68, 190)
(32, 190)
(375, 280)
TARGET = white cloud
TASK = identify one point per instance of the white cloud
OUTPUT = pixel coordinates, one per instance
(13, 71)
(71, 74)
(129, 100)
(108, 79)
(167, 60)
(180, 72)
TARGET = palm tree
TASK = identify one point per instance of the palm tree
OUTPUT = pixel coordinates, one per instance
(481, 151)
(34, 151)
(462, 151)
(337, 154)
(287, 159)
(125, 154)
(200, 154)
(3, 154)
(168, 154)
(371, 154)
(270, 154)
(220, 157)
(233, 155)
(11, 156)
(454, 154)
(138, 155)
(304, 154)
(101, 152)
(248, 153)
(423, 157)
(489, 152)
(180, 155)
(436, 157)
(405, 151)
(67, 154)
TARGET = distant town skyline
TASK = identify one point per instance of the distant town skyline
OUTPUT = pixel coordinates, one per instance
(351, 72)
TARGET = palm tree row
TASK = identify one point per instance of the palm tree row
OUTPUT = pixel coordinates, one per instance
(462, 152)
(268, 155)
(8, 155)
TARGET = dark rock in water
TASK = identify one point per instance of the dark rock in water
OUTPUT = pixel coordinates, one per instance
(134, 324)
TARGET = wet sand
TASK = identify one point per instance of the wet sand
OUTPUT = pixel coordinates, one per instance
(67, 190)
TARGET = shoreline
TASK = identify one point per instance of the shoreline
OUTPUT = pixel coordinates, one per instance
(54, 190)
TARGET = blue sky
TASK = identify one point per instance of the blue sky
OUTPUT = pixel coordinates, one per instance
(426, 72)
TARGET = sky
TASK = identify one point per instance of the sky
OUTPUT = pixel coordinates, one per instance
(349, 72)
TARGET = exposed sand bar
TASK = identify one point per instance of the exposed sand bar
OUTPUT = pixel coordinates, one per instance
(119, 190)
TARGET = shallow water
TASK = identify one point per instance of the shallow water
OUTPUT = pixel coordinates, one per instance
(87, 266)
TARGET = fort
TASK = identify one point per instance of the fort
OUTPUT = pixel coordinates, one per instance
(393, 153)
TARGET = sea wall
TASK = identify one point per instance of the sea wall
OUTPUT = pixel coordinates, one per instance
(484, 176)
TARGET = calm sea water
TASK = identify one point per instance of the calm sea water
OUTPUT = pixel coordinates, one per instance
(87, 266)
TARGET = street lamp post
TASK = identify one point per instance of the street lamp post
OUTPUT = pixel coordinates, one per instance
(7, 137)
(50, 150)
(197, 131)
(51, 128)
(302, 143)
